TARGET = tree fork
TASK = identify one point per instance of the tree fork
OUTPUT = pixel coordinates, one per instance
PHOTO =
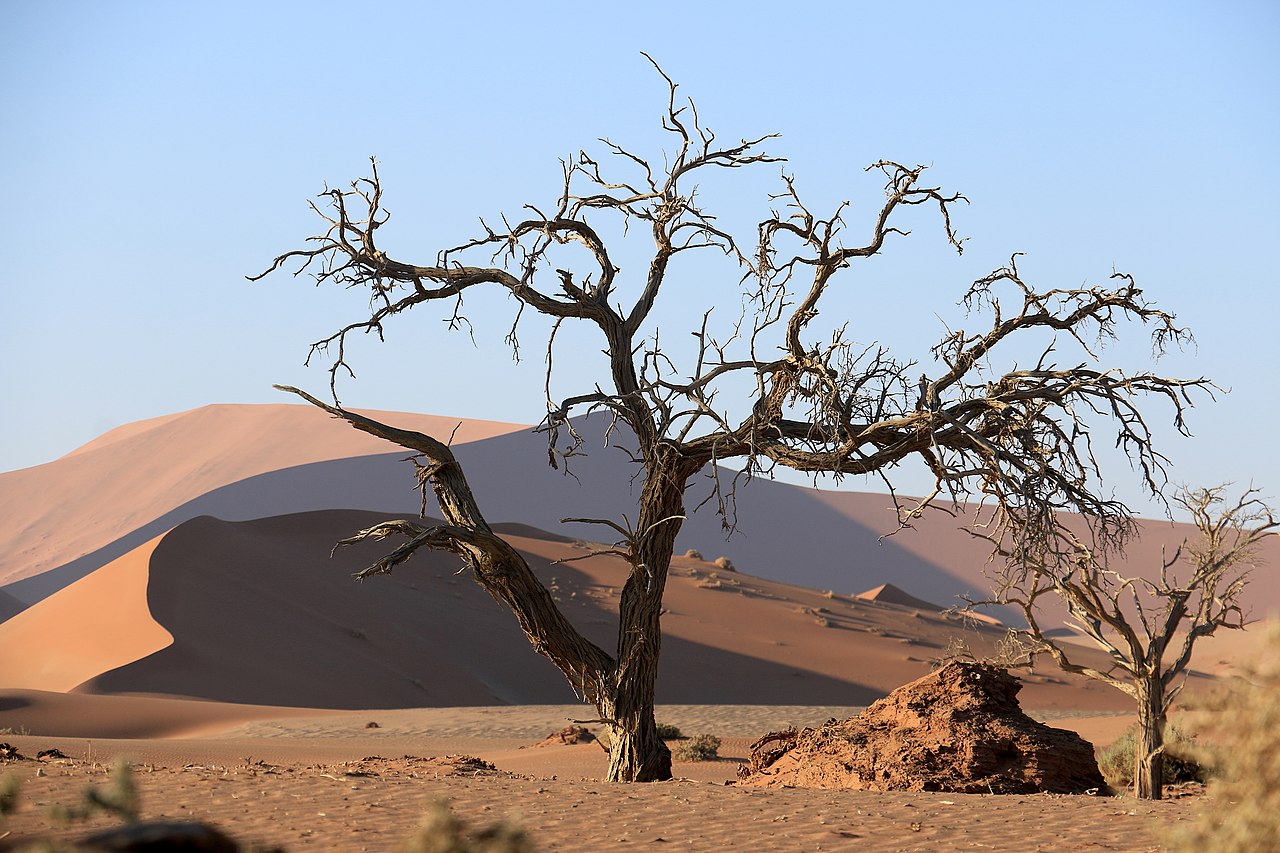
(821, 402)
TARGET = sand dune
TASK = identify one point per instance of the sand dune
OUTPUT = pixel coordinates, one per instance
(196, 642)
(97, 624)
(259, 614)
(55, 513)
(236, 463)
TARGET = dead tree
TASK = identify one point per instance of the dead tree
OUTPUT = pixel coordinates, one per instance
(795, 393)
(1140, 621)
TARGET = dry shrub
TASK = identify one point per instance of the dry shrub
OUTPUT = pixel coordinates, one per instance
(725, 563)
(699, 748)
(1180, 765)
(442, 832)
(693, 554)
(118, 798)
(668, 731)
(956, 649)
(1241, 813)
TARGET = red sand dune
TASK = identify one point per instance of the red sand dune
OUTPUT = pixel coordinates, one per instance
(259, 614)
(887, 593)
(94, 625)
(150, 477)
(54, 513)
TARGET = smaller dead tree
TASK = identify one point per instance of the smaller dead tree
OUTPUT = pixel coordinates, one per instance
(1138, 621)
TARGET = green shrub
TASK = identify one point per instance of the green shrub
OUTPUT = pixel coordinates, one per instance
(699, 748)
(666, 731)
(1117, 761)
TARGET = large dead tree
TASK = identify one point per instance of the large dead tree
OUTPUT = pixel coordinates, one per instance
(1148, 626)
(796, 392)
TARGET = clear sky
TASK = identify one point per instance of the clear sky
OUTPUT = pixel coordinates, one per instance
(153, 154)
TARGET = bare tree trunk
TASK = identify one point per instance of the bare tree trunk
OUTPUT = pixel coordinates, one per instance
(1148, 754)
(637, 754)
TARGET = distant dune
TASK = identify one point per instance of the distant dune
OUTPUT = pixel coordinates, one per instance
(188, 556)
(259, 614)
(128, 483)
(245, 462)
(94, 625)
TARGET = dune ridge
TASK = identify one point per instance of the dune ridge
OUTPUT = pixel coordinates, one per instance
(260, 614)
(96, 624)
(137, 473)
(234, 462)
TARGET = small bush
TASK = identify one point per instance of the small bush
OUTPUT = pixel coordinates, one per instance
(441, 832)
(725, 563)
(119, 798)
(1117, 761)
(666, 731)
(699, 748)
(694, 554)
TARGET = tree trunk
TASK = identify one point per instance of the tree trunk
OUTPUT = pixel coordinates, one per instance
(1148, 754)
(637, 753)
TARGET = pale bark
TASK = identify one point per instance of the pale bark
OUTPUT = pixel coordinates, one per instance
(1136, 620)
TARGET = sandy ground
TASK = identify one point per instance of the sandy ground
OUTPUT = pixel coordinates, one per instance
(329, 783)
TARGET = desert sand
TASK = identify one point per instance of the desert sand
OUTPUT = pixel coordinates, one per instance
(240, 462)
(315, 783)
(185, 614)
(256, 612)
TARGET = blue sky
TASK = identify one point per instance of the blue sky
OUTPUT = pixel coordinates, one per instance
(154, 154)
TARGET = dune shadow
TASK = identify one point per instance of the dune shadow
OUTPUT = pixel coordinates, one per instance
(13, 703)
(260, 614)
(783, 532)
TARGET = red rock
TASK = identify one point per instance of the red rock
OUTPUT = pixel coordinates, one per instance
(959, 730)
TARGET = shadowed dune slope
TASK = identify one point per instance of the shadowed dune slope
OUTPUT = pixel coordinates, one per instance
(815, 538)
(9, 606)
(54, 513)
(260, 614)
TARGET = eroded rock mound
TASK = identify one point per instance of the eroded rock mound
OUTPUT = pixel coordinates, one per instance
(959, 729)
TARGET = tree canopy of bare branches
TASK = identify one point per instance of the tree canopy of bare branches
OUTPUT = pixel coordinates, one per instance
(779, 389)
(1148, 626)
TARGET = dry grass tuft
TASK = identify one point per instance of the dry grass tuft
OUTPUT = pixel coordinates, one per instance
(442, 832)
(1241, 813)
(1117, 761)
